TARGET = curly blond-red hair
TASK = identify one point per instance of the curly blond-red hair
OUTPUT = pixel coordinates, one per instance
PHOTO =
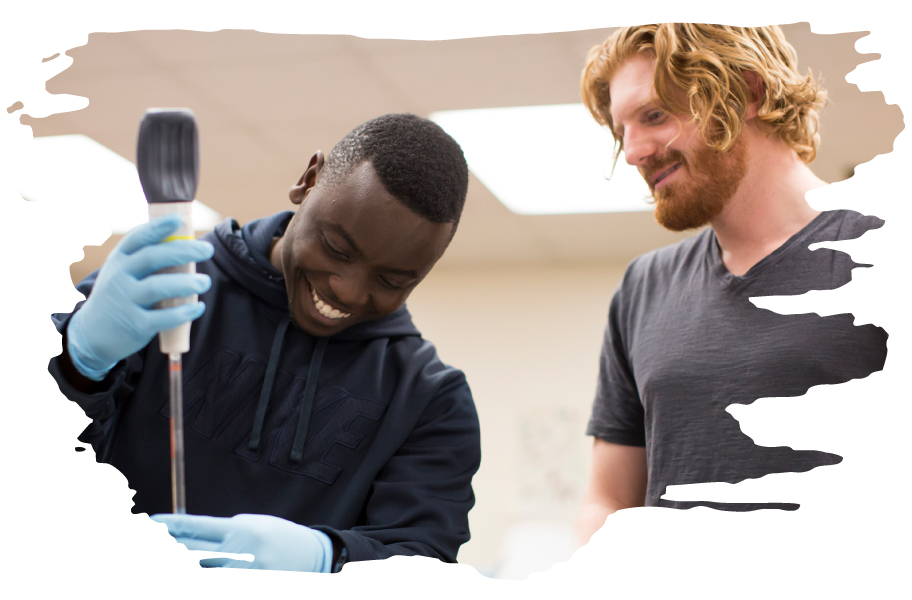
(707, 63)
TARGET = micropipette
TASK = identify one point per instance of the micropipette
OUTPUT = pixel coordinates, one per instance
(167, 158)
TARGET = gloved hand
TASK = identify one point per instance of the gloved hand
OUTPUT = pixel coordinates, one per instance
(275, 543)
(117, 319)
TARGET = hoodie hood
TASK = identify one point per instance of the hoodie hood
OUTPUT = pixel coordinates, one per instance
(243, 253)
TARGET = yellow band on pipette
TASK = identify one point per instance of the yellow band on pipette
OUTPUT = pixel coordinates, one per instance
(178, 237)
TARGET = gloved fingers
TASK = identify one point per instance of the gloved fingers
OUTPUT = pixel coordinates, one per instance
(214, 561)
(150, 259)
(162, 319)
(227, 563)
(148, 233)
(154, 288)
(197, 544)
(197, 527)
(209, 563)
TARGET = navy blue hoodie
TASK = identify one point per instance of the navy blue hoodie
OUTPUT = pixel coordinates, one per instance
(365, 435)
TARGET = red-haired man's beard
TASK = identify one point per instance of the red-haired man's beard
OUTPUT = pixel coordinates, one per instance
(710, 179)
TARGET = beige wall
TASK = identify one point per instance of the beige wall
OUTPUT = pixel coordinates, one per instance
(528, 339)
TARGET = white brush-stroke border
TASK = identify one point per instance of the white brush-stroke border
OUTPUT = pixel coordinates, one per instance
(67, 529)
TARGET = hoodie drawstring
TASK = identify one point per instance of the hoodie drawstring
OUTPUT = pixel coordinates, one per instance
(313, 373)
(267, 383)
(310, 388)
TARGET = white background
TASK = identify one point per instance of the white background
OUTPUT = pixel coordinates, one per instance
(68, 528)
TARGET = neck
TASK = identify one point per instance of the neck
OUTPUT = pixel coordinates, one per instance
(275, 254)
(769, 206)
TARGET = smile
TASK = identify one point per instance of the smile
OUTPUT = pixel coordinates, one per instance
(666, 173)
(325, 309)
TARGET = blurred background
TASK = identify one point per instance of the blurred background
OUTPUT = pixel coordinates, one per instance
(519, 301)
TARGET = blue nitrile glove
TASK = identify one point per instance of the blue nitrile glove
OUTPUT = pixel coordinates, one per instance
(118, 320)
(276, 544)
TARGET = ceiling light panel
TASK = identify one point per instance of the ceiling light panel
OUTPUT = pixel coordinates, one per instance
(546, 160)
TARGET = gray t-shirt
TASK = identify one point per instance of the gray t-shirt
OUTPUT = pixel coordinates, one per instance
(683, 342)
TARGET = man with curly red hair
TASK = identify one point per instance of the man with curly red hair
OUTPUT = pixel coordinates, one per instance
(722, 126)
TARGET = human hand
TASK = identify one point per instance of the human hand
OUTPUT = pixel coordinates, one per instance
(118, 318)
(276, 544)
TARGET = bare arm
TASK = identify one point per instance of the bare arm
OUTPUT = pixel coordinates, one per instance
(617, 480)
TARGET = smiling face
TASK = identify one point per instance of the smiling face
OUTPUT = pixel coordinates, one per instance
(690, 181)
(352, 252)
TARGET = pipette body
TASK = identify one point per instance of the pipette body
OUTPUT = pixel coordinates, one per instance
(167, 159)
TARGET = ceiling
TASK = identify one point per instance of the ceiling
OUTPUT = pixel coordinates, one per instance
(265, 102)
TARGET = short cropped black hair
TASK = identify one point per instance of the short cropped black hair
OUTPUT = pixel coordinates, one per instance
(417, 161)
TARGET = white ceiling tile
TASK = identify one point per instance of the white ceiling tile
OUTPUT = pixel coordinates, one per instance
(281, 98)
(470, 75)
(194, 49)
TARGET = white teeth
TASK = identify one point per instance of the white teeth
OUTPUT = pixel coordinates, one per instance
(670, 171)
(326, 310)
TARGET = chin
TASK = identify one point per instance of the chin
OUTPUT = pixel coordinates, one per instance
(682, 210)
(312, 327)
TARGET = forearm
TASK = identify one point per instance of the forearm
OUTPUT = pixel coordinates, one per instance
(422, 495)
(364, 544)
(97, 398)
(617, 480)
(592, 516)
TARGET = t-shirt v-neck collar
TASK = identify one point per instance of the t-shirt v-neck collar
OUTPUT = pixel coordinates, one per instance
(729, 280)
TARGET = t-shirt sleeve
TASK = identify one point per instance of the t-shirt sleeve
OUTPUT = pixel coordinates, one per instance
(617, 412)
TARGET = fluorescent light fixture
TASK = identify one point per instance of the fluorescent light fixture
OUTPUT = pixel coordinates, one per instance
(80, 172)
(544, 160)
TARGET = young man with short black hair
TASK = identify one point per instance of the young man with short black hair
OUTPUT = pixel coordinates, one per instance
(320, 426)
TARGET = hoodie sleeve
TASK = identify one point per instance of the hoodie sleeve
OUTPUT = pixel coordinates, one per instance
(101, 403)
(419, 502)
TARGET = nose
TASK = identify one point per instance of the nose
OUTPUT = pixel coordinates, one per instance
(350, 288)
(638, 146)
